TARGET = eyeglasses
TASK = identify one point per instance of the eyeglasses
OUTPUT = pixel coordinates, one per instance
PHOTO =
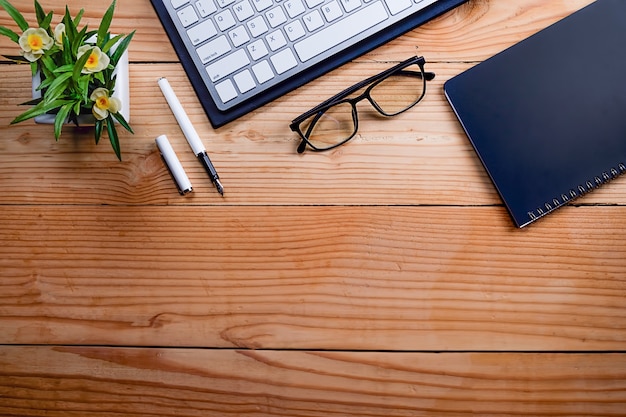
(335, 121)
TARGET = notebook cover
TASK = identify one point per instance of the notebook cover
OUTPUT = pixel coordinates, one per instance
(219, 118)
(547, 117)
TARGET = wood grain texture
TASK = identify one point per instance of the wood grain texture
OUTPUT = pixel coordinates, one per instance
(381, 279)
(406, 278)
(420, 157)
(189, 382)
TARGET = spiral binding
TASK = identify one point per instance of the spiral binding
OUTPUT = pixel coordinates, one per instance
(576, 192)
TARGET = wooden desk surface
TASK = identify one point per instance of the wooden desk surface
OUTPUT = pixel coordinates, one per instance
(384, 278)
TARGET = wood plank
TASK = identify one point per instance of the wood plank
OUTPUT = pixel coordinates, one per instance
(405, 278)
(78, 381)
(420, 157)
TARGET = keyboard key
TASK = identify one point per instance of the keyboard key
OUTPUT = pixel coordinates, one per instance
(257, 26)
(224, 3)
(239, 36)
(294, 30)
(243, 10)
(202, 32)
(313, 21)
(313, 3)
(276, 40)
(213, 49)
(263, 72)
(227, 65)
(341, 31)
(177, 3)
(225, 20)
(244, 81)
(257, 49)
(352, 5)
(226, 91)
(276, 17)
(396, 6)
(332, 11)
(284, 61)
(187, 16)
(262, 4)
(294, 8)
(205, 7)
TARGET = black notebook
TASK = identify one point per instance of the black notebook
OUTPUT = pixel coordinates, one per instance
(547, 117)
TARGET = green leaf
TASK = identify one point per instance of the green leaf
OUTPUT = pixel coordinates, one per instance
(77, 107)
(60, 119)
(70, 27)
(41, 108)
(46, 23)
(115, 142)
(99, 76)
(118, 116)
(67, 50)
(105, 23)
(39, 12)
(78, 17)
(111, 42)
(15, 14)
(57, 87)
(79, 40)
(98, 130)
(121, 48)
(83, 86)
(42, 19)
(9, 34)
(64, 68)
(48, 64)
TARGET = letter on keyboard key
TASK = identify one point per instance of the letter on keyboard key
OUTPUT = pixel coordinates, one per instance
(341, 31)
(284, 61)
(294, 7)
(243, 10)
(332, 11)
(227, 65)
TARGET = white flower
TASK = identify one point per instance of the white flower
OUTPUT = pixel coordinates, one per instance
(34, 42)
(59, 33)
(97, 60)
(104, 104)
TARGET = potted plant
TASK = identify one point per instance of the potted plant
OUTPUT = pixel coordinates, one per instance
(74, 70)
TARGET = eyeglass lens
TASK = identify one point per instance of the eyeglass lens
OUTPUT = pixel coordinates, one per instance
(338, 123)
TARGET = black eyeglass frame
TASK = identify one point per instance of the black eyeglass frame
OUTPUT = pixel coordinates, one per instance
(340, 98)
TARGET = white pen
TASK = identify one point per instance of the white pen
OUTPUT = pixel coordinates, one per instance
(173, 165)
(190, 133)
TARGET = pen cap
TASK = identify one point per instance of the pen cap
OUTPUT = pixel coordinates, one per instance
(173, 165)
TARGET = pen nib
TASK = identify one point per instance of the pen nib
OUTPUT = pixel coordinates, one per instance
(219, 187)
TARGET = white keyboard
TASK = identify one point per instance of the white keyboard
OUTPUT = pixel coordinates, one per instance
(244, 47)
